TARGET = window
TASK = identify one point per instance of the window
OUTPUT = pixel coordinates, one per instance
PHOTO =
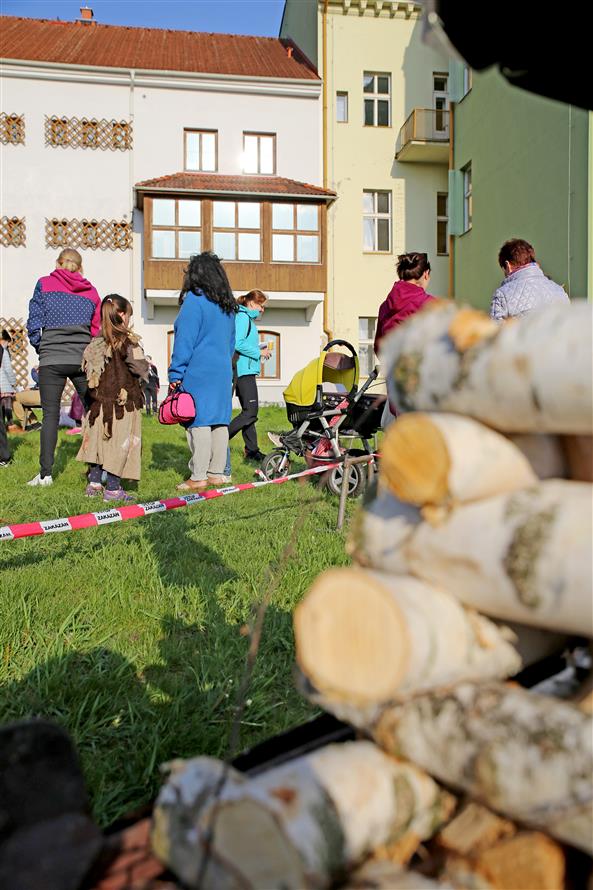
(236, 230)
(201, 150)
(12, 129)
(377, 99)
(12, 231)
(270, 368)
(88, 133)
(176, 228)
(367, 328)
(295, 233)
(376, 221)
(467, 197)
(342, 108)
(442, 224)
(259, 153)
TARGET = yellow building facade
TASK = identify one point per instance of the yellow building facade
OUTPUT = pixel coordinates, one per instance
(386, 150)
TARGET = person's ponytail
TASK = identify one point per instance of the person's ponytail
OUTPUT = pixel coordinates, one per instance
(113, 328)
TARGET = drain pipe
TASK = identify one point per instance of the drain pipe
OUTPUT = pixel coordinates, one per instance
(326, 329)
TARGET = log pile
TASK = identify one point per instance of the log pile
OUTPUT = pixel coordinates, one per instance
(481, 519)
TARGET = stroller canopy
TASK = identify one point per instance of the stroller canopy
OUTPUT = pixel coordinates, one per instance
(305, 388)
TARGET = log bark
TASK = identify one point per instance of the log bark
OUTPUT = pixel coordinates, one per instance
(530, 375)
(379, 531)
(473, 829)
(524, 556)
(366, 638)
(177, 830)
(524, 755)
(308, 822)
(445, 459)
(529, 860)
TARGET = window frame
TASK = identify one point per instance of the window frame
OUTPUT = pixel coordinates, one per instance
(268, 335)
(467, 80)
(376, 97)
(467, 198)
(375, 215)
(237, 229)
(200, 132)
(295, 232)
(342, 94)
(259, 136)
(443, 219)
(367, 342)
(176, 229)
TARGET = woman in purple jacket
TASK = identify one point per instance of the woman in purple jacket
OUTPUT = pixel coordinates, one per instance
(64, 313)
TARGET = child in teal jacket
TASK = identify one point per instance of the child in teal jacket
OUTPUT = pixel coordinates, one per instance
(249, 356)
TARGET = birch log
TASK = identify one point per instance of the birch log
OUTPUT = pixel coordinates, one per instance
(381, 875)
(366, 638)
(379, 531)
(524, 755)
(445, 459)
(177, 834)
(525, 862)
(524, 556)
(309, 821)
(546, 454)
(532, 374)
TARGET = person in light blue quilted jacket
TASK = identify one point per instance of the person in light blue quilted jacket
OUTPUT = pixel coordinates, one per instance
(525, 287)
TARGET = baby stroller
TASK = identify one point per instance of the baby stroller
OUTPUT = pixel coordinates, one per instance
(329, 413)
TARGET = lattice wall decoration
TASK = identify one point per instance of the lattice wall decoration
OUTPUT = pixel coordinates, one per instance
(12, 129)
(90, 234)
(85, 132)
(19, 348)
(13, 232)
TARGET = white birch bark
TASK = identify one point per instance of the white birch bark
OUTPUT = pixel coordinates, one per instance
(532, 374)
(366, 638)
(309, 821)
(379, 531)
(524, 556)
(177, 834)
(445, 459)
(524, 755)
(379, 874)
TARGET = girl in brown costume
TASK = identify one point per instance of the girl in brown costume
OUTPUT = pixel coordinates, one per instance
(115, 367)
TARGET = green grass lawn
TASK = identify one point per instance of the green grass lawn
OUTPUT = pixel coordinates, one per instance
(129, 635)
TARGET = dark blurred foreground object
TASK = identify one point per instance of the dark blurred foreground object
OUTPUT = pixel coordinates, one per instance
(47, 838)
(536, 49)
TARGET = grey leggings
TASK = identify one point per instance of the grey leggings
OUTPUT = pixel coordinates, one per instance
(208, 445)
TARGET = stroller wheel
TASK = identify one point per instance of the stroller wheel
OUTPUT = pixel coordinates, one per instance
(334, 479)
(276, 464)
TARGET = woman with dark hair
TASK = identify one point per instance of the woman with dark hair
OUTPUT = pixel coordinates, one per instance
(407, 295)
(202, 363)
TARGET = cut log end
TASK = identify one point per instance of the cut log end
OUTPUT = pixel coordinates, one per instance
(411, 445)
(351, 646)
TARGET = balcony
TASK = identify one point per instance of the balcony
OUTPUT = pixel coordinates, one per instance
(424, 138)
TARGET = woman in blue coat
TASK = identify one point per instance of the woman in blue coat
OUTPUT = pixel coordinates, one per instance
(202, 363)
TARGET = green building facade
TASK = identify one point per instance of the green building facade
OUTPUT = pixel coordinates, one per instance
(521, 169)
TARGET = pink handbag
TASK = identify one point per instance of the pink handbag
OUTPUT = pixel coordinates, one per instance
(178, 407)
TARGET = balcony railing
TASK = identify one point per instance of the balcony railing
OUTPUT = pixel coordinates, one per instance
(424, 136)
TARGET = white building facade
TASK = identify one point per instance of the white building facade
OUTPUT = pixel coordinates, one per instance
(141, 165)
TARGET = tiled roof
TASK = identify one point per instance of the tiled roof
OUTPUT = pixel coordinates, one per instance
(245, 185)
(114, 46)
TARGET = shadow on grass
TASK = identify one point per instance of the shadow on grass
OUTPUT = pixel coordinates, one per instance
(126, 722)
(65, 453)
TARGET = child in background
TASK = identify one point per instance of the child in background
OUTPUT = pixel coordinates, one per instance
(7, 380)
(115, 367)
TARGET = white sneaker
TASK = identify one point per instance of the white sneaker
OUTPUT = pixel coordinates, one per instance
(41, 480)
(275, 440)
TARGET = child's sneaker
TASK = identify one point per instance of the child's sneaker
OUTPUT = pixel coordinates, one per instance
(118, 495)
(93, 489)
(41, 480)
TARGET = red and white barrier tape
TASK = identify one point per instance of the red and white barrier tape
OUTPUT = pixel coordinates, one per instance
(136, 511)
